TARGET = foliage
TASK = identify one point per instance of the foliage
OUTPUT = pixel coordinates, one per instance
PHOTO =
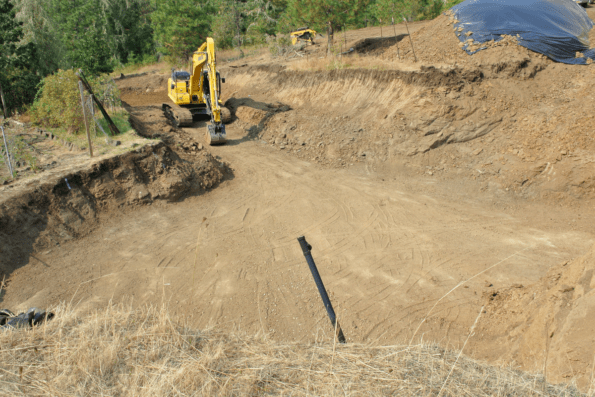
(59, 102)
(451, 3)
(317, 14)
(91, 34)
(17, 60)
(248, 22)
(385, 10)
(39, 29)
(279, 45)
(120, 119)
(181, 26)
(20, 154)
(129, 30)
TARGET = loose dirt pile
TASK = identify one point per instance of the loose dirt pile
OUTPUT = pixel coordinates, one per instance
(548, 326)
(436, 43)
(126, 352)
(70, 206)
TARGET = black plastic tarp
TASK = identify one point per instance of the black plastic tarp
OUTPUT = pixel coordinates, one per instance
(556, 28)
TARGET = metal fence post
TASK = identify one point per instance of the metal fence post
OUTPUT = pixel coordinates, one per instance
(7, 154)
(325, 299)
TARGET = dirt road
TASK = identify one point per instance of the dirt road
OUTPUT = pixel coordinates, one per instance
(387, 247)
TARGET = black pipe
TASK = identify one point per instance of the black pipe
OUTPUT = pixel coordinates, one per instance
(325, 299)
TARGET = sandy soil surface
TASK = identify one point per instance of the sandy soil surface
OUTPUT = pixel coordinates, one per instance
(388, 248)
(424, 190)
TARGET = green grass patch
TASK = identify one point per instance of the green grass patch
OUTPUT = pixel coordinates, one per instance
(120, 119)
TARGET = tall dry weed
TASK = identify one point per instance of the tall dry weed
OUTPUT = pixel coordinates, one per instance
(121, 351)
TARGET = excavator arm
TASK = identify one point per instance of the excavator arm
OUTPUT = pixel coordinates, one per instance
(207, 79)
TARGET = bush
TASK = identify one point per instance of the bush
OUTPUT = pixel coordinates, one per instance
(58, 103)
(280, 45)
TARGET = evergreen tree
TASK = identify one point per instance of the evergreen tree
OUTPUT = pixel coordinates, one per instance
(245, 22)
(181, 26)
(40, 30)
(18, 61)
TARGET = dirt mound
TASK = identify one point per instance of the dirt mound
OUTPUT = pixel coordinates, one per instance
(142, 82)
(70, 206)
(436, 43)
(548, 325)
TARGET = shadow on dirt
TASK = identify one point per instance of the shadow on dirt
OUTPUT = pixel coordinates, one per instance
(377, 44)
(256, 111)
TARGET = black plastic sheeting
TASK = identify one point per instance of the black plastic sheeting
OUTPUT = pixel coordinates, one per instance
(557, 29)
(31, 318)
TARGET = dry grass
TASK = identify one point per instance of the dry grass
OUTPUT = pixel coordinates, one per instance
(234, 54)
(353, 61)
(125, 352)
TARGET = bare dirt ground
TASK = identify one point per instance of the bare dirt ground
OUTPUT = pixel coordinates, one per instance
(424, 190)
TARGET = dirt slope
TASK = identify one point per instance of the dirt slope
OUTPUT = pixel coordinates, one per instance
(66, 207)
(549, 324)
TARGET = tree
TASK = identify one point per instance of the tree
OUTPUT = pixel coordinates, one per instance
(245, 22)
(68, 33)
(330, 15)
(128, 29)
(39, 29)
(181, 26)
(18, 61)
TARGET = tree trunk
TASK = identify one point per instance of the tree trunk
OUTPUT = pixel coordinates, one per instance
(3, 104)
(329, 32)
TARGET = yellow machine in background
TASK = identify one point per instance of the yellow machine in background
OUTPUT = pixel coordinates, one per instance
(303, 34)
(198, 93)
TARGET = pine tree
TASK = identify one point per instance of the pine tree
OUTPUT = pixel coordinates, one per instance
(18, 62)
(181, 26)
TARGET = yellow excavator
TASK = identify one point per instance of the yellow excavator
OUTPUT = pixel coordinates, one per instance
(197, 93)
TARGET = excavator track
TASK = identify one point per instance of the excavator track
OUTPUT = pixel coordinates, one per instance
(179, 116)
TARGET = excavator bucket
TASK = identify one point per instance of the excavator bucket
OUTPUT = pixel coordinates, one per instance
(216, 134)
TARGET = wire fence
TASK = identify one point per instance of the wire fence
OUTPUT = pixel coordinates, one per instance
(8, 147)
(16, 152)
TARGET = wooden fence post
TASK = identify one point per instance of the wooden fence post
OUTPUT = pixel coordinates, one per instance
(85, 117)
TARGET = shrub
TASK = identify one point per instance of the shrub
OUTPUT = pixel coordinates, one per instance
(58, 102)
(280, 45)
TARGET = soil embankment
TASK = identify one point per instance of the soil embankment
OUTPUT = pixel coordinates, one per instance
(546, 326)
(507, 118)
(69, 206)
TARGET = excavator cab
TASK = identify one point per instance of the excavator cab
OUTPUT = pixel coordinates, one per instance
(178, 86)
